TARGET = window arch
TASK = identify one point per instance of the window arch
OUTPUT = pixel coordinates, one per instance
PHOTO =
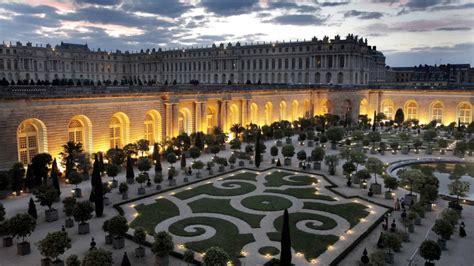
(282, 110)
(80, 131)
(317, 78)
(184, 121)
(254, 113)
(325, 107)
(363, 108)
(328, 77)
(464, 113)
(294, 110)
(436, 111)
(340, 78)
(411, 110)
(234, 116)
(268, 113)
(31, 139)
(387, 108)
(153, 127)
(119, 130)
(211, 119)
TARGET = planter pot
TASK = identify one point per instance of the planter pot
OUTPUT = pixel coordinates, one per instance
(77, 193)
(118, 242)
(158, 187)
(404, 150)
(114, 184)
(173, 170)
(355, 179)
(141, 191)
(130, 181)
(51, 215)
(83, 228)
(106, 201)
(411, 228)
(57, 263)
(109, 239)
(394, 152)
(376, 188)
(409, 199)
(317, 166)
(241, 163)
(23, 248)
(287, 161)
(250, 161)
(429, 263)
(363, 185)
(388, 195)
(429, 150)
(172, 182)
(69, 223)
(221, 168)
(232, 166)
(162, 261)
(125, 196)
(417, 151)
(442, 243)
(442, 151)
(211, 172)
(279, 143)
(46, 262)
(186, 180)
(140, 252)
(288, 141)
(310, 143)
(7, 241)
(198, 175)
(333, 146)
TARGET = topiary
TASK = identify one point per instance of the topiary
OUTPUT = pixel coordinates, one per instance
(216, 256)
(22, 225)
(117, 226)
(54, 244)
(73, 260)
(139, 235)
(98, 257)
(430, 250)
(163, 244)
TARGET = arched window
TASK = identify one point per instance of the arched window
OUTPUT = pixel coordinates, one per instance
(234, 117)
(325, 107)
(254, 113)
(184, 121)
(387, 109)
(149, 129)
(268, 113)
(363, 108)
(411, 110)
(211, 119)
(340, 78)
(328, 77)
(76, 131)
(31, 140)
(464, 113)
(437, 112)
(317, 78)
(294, 110)
(282, 110)
(116, 129)
(307, 108)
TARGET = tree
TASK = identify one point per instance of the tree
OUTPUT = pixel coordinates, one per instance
(139, 236)
(458, 188)
(331, 161)
(274, 151)
(317, 154)
(183, 161)
(430, 250)
(410, 178)
(32, 209)
(73, 260)
(171, 158)
(116, 156)
(39, 164)
(451, 216)
(125, 260)
(429, 135)
(46, 196)
(17, 172)
(357, 157)
(258, 149)
(2, 212)
(443, 228)
(391, 241)
(22, 225)
(288, 151)
(143, 164)
(301, 155)
(348, 167)
(113, 170)
(285, 257)
(390, 182)
(98, 257)
(143, 146)
(216, 256)
(74, 178)
(399, 117)
(97, 190)
(236, 129)
(117, 226)
(375, 166)
(195, 152)
(335, 134)
(55, 177)
(198, 165)
(163, 244)
(70, 149)
(188, 256)
(68, 206)
(54, 244)
(130, 174)
(83, 212)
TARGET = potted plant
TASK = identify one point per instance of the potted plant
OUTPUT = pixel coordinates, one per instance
(375, 166)
(188, 256)
(317, 155)
(5, 233)
(394, 146)
(22, 225)
(392, 242)
(171, 158)
(141, 178)
(361, 178)
(75, 179)
(443, 144)
(301, 156)
(404, 137)
(408, 179)
(68, 208)
(428, 136)
(288, 151)
(162, 247)
(83, 213)
(378, 258)
(73, 260)
(301, 138)
(310, 136)
(235, 145)
(331, 162)
(98, 257)
(123, 190)
(209, 167)
(412, 216)
(278, 135)
(158, 179)
(391, 183)
(430, 251)
(382, 147)
(139, 236)
(198, 165)
(117, 227)
(112, 171)
(451, 216)
(222, 162)
(417, 144)
(288, 133)
(334, 134)
(53, 246)
(232, 160)
(459, 189)
(106, 189)
(108, 236)
(444, 230)
(47, 196)
(215, 256)
(274, 153)
(130, 174)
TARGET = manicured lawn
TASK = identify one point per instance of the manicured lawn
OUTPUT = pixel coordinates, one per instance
(266, 203)
(227, 235)
(275, 179)
(209, 189)
(152, 214)
(311, 245)
(302, 193)
(352, 212)
(243, 176)
(222, 206)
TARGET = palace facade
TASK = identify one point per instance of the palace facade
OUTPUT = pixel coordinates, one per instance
(42, 119)
(327, 61)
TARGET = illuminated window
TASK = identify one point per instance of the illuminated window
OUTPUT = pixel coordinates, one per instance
(387, 109)
(464, 113)
(437, 112)
(76, 131)
(411, 110)
(115, 132)
(27, 142)
(149, 129)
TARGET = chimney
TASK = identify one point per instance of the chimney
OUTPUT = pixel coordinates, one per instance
(375, 48)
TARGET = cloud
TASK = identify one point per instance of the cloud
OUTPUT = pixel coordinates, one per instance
(333, 3)
(363, 14)
(287, 5)
(296, 19)
(28, 9)
(230, 7)
(167, 8)
(452, 7)
(98, 2)
(420, 26)
(453, 29)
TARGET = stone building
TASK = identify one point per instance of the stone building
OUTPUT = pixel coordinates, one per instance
(327, 61)
(42, 119)
(426, 75)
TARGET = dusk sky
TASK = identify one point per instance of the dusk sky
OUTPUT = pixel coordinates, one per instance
(408, 32)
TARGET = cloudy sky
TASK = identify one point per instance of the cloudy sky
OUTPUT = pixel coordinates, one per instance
(409, 32)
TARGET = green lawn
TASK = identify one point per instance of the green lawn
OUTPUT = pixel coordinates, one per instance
(275, 179)
(311, 245)
(209, 189)
(266, 203)
(302, 193)
(352, 212)
(222, 206)
(227, 235)
(243, 176)
(152, 214)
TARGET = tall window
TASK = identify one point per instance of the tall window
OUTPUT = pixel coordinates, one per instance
(464, 113)
(387, 109)
(437, 112)
(150, 129)
(27, 142)
(412, 109)
(76, 131)
(115, 132)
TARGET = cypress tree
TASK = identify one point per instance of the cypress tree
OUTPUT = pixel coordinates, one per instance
(29, 179)
(125, 260)
(156, 152)
(183, 161)
(375, 117)
(54, 177)
(130, 174)
(198, 141)
(32, 209)
(158, 168)
(97, 190)
(101, 163)
(285, 257)
(258, 149)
